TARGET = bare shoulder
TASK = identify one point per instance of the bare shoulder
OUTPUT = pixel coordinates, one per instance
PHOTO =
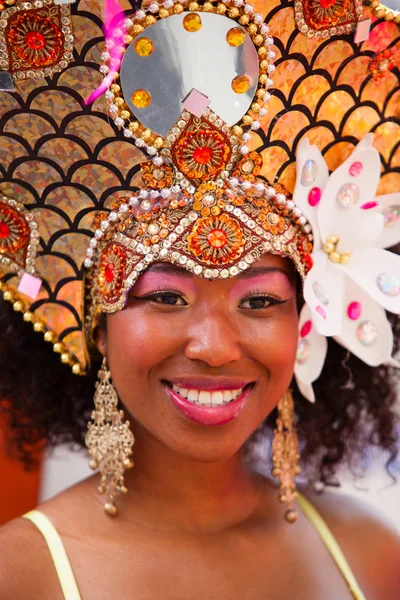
(370, 543)
(27, 571)
(25, 567)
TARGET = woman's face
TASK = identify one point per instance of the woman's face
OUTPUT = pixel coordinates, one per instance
(183, 343)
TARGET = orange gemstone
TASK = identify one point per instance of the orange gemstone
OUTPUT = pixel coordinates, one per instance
(327, 3)
(144, 46)
(217, 238)
(192, 22)
(241, 84)
(141, 98)
(203, 155)
(236, 37)
(35, 40)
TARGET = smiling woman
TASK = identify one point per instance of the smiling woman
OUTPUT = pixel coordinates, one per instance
(222, 315)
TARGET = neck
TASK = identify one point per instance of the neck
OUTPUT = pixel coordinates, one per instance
(169, 491)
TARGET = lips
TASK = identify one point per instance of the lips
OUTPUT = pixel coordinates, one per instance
(202, 409)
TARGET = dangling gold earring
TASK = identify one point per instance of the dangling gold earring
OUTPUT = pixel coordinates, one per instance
(109, 440)
(285, 454)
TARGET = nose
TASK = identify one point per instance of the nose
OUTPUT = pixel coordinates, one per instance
(213, 339)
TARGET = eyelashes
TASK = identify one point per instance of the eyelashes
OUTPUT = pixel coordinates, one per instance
(256, 300)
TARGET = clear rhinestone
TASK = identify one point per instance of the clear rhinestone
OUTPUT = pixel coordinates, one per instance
(303, 351)
(367, 333)
(388, 284)
(320, 293)
(309, 172)
(391, 214)
(348, 195)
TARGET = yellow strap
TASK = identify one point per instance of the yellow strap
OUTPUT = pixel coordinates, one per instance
(333, 547)
(58, 554)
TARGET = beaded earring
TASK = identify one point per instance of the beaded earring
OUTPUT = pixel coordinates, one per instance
(109, 440)
(285, 454)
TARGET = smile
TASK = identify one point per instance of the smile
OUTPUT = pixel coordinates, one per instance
(208, 406)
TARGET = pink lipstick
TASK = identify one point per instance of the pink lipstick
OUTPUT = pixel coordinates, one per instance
(206, 415)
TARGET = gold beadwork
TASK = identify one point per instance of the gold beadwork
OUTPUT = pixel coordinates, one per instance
(109, 440)
(285, 454)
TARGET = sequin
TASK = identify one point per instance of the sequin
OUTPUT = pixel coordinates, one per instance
(356, 169)
(391, 214)
(388, 284)
(314, 196)
(368, 205)
(354, 311)
(348, 195)
(303, 351)
(320, 293)
(309, 172)
(305, 330)
(321, 311)
(367, 333)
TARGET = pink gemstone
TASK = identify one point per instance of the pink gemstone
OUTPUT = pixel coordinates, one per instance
(320, 310)
(354, 311)
(314, 196)
(368, 205)
(355, 169)
(305, 330)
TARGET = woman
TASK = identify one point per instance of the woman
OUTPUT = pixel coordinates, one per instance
(192, 313)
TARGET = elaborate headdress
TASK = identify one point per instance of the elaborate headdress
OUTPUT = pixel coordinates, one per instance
(221, 98)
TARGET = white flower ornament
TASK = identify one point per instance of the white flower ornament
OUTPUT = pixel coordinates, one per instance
(353, 279)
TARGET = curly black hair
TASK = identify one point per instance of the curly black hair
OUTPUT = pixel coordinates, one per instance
(355, 408)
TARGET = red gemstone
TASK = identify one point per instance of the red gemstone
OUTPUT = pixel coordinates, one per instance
(327, 3)
(109, 273)
(4, 230)
(305, 330)
(203, 155)
(217, 238)
(309, 261)
(314, 196)
(35, 40)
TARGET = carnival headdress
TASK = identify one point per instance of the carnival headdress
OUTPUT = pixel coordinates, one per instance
(194, 86)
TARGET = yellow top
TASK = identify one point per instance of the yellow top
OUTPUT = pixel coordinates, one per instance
(70, 588)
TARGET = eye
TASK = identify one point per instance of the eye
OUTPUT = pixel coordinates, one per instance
(164, 297)
(258, 302)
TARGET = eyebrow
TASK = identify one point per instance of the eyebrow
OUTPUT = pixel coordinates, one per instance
(168, 268)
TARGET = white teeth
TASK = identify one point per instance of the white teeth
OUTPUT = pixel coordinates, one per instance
(207, 398)
(193, 395)
(217, 398)
(204, 397)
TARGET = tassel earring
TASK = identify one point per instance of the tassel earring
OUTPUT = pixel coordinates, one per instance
(285, 454)
(109, 440)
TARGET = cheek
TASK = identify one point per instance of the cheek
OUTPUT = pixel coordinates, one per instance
(136, 342)
(273, 343)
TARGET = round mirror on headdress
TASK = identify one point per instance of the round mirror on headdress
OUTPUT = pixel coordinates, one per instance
(190, 51)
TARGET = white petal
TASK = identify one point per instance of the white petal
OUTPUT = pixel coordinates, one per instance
(305, 152)
(306, 390)
(389, 203)
(376, 347)
(333, 217)
(323, 292)
(311, 352)
(366, 268)
(369, 227)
